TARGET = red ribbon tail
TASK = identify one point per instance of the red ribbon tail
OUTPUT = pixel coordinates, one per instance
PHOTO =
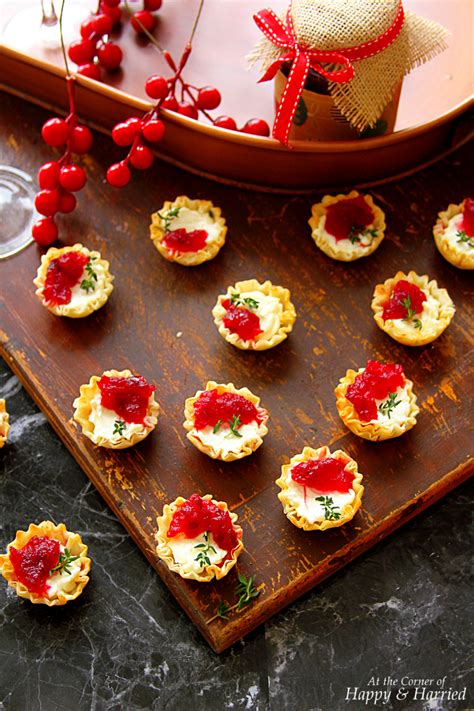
(272, 70)
(290, 98)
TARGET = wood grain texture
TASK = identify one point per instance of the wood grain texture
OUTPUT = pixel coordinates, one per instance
(153, 300)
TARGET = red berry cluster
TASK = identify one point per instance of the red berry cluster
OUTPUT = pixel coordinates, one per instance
(137, 133)
(95, 51)
(59, 179)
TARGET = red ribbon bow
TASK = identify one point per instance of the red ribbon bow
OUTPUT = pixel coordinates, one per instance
(302, 59)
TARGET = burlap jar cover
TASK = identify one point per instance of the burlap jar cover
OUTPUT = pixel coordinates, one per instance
(363, 48)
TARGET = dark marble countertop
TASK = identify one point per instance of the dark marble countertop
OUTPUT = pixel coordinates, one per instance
(399, 611)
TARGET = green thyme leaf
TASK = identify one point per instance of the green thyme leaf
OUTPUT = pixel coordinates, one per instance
(65, 560)
(169, 216)
(331, 512)
(238, 300)
(217, 426)
(411, 313)
(358, 231)
(88, 284)
(245, 590)
(463, 237)
(223, 610)
(202, 557)
(234, 425)
(119, 427)
(389, 405)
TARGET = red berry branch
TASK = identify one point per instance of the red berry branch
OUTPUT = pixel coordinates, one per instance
(138, 133)
(60, 179)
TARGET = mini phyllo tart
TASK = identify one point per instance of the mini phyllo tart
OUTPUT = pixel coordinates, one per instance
(4, 423)
(73, 281)
(225, 423)
(454, 234)
(377, 402)
(254, 316)
(411, 309)
(320, 490)
(46, 564)
(188, 231)
(347, 227)
(198, 538)
(117, 409)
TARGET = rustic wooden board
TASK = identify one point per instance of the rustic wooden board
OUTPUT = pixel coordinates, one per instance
(153, 300)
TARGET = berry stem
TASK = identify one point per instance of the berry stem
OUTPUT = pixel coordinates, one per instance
(61, 36)
(196, 22)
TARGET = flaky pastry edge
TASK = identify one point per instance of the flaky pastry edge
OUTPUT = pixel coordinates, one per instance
(348, 511)
(4, 423)
(427, 334)
(318, 210)
(461, 260)
(247, 448)
(165, 553)
(58, 532)
(82, 405)
(188, 259)
(287, 320)
(78, 311)
(373, 431)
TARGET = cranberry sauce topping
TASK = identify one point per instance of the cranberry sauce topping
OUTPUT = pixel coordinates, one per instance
(182, 241)
(128, 397)
(212, 407)
(33, 562)
(375, 383)
(242, 321)
(348, 216)
(63, 273)
(197, 515)
(324, 475)
(467, 223)
(405, 300)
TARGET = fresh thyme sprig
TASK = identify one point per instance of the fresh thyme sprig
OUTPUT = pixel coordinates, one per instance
(245, 591)
(357, 231)
(119, 426)
(88, 284)
(331, 512)
(238, 300)
(389, 405)
(223, 610)
(217, 427)
(411, 314)
(169, 216)
(65, 560)
(463, 237)
(234, 425)
(203, 556)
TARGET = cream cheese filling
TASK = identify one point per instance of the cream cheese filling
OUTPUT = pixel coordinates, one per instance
(191, 220)
(352, 249)
(62, 580)
(306, 504)
(400, 413)
(428, 317)
(82, 297)
(451, 234)
(224, 441)
(104, 421)
(186, 553)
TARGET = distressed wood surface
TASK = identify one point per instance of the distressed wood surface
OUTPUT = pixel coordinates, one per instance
(153, 300)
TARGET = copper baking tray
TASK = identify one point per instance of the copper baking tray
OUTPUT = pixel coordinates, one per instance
(433, 115)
